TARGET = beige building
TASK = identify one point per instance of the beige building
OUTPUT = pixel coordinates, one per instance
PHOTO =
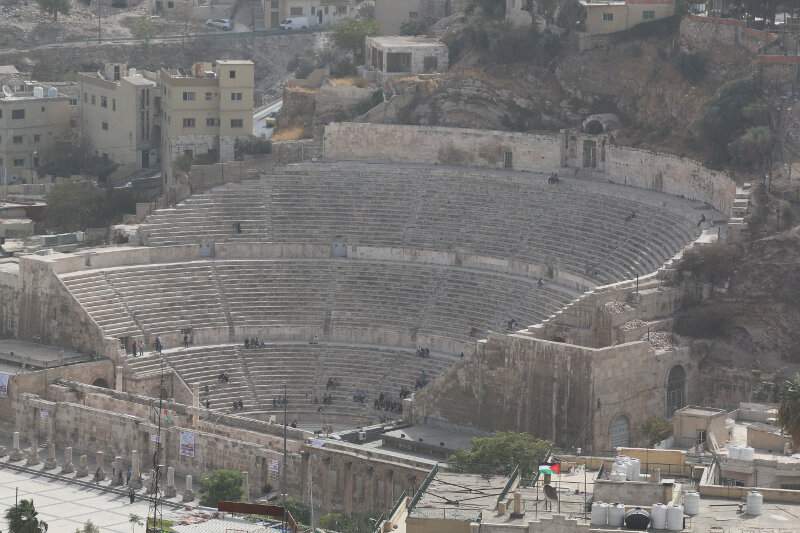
(204, 109)
(695, 425)
(33, 116)
(120, 115)
(605, 16)
(390, 14)
(401, 55)
(320, 12)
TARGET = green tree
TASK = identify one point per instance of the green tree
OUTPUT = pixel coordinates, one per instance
(656, 430)
(503, 451)
(723, 119)
(135, 520)
(144, 29)
(691, 65)
(417, 26)
(70, 76)
(76, 206)
(221, 486)
(355, 523)
(54, 7)
(22, 518)
(789, 408)
(297, 508)
(350, 34)
(751, 149)
(88, 527)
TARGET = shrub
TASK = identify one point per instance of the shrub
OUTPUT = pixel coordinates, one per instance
(251, 145)
(656, 430)
(751, 149)
(704, 322)
(222, 485)
(711, 262)
(301, 65)
(343, 68)
(691, 65)
(723, 119)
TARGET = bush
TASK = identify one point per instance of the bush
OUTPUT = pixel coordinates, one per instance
(222, 485)
(252, 145)
(301, 65)
(343, 68)
(417, 26)
(713, 262)
(724, 119)
(691, 65)
(751, 149)
(704, 322)
(76, 206)
(299, 510)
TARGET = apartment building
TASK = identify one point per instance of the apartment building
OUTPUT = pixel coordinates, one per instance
(610, 16)
(120, 116)
(390, 14)
(33, 116)
(203, 110)
(319, 12)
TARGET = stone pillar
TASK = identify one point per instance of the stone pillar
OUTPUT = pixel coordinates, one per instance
(501, 508)
(119, 379)
(474, 527)
(16, 453)
(83, 467)
(170, 491)
(135, 472)
(196, 395)
(188, 494)
(118, 469)
(33, 458)
(67, 467)
(50, 463)
(3, 451)
(655, 475)
(348, 487)
(98, 459)
(246, 485)
(518, 502)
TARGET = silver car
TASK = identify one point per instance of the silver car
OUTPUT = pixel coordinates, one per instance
(220, 24)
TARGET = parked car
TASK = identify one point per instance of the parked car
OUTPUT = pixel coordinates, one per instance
(295, 23)
(271, 118)
(220, 24)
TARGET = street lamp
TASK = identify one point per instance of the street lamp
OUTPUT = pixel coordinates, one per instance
(284, 455)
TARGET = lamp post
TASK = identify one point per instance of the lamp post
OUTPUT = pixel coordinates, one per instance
(284, 456)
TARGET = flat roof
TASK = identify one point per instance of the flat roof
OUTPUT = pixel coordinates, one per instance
(700, 411)
(234, 62)
(435, 435)
(455, 496)
(405, 40)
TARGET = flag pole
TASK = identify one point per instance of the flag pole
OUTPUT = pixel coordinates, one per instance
(559, 488)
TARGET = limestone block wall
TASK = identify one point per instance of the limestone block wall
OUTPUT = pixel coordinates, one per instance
(671, 175)
(441, 146)
(632, 492)
(9, 303)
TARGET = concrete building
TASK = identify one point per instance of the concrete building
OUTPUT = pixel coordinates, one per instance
(695, 425)
(319, 12)
(204, 110)
(606, 16)
(402, 55)
(120, 116)
(33, 115)
(390, 14)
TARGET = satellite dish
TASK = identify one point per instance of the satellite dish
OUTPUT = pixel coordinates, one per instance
(550, 493)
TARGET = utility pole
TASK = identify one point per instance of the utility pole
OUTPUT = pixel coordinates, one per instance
(99, 39)
(283, 523)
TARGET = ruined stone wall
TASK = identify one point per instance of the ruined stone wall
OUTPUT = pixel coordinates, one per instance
(9, 303)
(440, 146)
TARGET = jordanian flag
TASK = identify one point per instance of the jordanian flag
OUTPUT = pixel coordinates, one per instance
(546, 468)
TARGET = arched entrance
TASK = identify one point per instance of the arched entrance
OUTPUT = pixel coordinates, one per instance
(676, 390)
(620, 432)
(101, 382)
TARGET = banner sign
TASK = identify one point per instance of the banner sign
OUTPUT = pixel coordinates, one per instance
(187, 443)
(273, 465)
(3, 385)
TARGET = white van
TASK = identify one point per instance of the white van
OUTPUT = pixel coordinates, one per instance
(295, 23)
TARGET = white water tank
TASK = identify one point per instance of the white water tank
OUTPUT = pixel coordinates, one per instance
(616, 514)
(691, 503)
(599, 514)
(52, 92)
(658, 516)
(747, 453)
(618, 476)
(637, 469)
(734, 452)
(755, 503)
(674, 517)
(38, 92)
(132, 72)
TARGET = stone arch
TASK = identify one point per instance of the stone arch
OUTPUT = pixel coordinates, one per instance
(100, 382)
(676, 390)
(620, 432)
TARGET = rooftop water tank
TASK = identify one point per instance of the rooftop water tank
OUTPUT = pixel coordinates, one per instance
(618, 476)
(658, 516)
(132, 72)
(747, 453)
(755, 503)
(674, 517)
(52, 92)
(734, 452)
(616, 514)
(691, 503)
(599, 514)
(637, 519)
(637, 469)
(38, 92)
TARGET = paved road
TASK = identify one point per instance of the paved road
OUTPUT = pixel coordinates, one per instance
(221, 35)
(260, 118)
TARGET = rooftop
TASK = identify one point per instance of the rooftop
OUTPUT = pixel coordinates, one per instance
(405, 40)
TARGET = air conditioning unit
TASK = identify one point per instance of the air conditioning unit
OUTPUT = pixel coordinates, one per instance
(362, 435)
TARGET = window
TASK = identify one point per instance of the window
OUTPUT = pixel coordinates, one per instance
(37, 138)
(18, 139)
(19, 163)
(326, 10)
(295, 11)
(275, 4)
(608, 17)
(113, 104)
(188, 123)
(232, 74)
(103, 101)
(313, 10)
(73, 101)
(701, 436)
(783, 486)
(236, 97)
(208, 96)
(105, 126)
(212, 122)
(188, 96)
(647, 15)
(17, 113)
(237, 123)
(508, 160)
(170, 5)
(85, 98)
(94, 102)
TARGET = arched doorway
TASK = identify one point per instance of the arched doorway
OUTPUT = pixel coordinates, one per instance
(100, 382)
(676, 390)
(620, 432)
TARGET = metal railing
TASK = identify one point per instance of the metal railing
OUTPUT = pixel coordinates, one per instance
(423, 488)
(514, 475)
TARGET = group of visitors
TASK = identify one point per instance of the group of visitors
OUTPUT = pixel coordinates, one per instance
(159, 345)
(421, 381)
(359, 396)
(404, 392)
(332, 383)
(383, 403)
(280, 400)
(237, 228)
(423, 352)
(254, 343)
(590, 270)
(222, 377)
(139, 347)
(511, 325)
(238, 405)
